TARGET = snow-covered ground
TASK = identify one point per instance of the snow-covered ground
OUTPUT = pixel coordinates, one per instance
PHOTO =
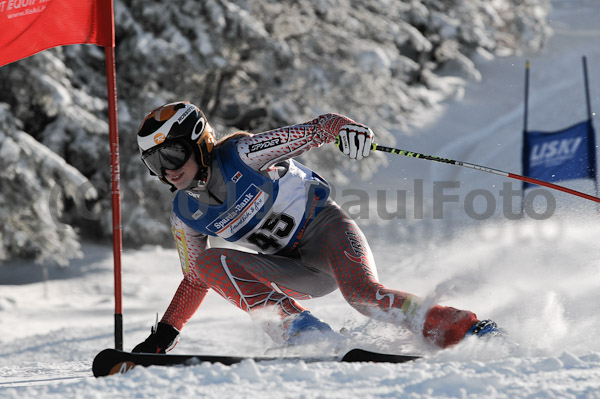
(538, 279)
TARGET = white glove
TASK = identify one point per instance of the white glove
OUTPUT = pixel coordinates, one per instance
(355, 141)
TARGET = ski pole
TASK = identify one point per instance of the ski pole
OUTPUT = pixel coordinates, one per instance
(411, 154)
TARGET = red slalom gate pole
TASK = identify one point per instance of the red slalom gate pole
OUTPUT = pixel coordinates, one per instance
(107, 27)
(115, 194)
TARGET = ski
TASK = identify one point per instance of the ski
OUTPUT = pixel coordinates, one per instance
(112, 361)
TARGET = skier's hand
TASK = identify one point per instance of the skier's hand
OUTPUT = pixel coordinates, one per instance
(163, 339)
(355, 140)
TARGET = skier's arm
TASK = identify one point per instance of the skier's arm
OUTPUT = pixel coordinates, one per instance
(262, 150)
(189, 294)
(191, 291)
(185, 302)
(165, 335)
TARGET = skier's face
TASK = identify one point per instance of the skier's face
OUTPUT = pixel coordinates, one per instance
(183, 177)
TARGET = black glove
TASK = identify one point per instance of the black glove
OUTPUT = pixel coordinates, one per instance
(163, 338)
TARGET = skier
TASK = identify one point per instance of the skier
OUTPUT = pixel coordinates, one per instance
(248, 189)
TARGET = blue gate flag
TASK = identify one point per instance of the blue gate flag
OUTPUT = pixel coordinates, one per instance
(563, 155)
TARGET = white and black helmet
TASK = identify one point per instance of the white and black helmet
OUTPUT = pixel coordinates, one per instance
(172, 133)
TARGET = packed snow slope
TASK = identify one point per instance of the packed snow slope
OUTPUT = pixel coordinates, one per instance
(538, 279)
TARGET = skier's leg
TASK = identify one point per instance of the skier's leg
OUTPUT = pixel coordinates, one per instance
(255, 282)
(286, 275)
(221, 270)
(343, 247)
(289, 277)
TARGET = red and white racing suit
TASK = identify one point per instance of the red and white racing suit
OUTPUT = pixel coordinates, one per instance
(329, 251)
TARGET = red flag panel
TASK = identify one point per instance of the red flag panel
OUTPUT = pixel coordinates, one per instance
(30, 26)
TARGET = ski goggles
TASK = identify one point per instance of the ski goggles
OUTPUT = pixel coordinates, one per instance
(169, 156)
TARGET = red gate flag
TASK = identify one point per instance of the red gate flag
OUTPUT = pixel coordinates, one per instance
(30, 26)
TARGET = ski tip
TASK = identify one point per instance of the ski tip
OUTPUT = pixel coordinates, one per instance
(108, 362)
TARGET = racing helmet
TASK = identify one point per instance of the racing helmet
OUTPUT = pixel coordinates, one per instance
(171, 134)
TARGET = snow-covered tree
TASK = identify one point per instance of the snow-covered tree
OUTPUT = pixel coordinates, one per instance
(251, 65)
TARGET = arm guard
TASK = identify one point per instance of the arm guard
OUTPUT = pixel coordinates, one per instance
(262, 150)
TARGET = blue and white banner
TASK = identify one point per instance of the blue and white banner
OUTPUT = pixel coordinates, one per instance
(563, 155)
